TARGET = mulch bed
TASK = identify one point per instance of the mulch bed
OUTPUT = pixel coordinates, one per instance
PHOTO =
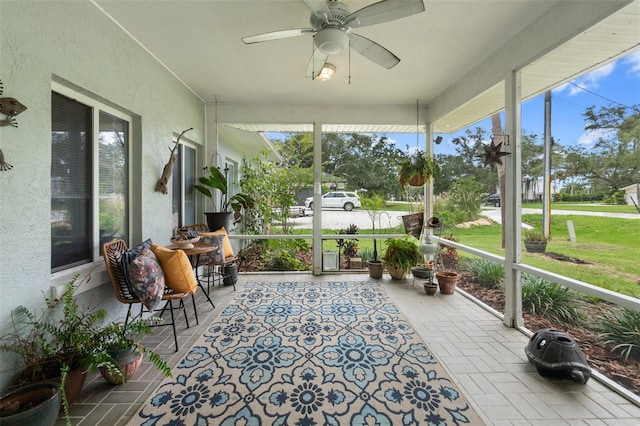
(601, 359)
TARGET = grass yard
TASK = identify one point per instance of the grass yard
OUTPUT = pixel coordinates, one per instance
(584, 207)
(610, 245)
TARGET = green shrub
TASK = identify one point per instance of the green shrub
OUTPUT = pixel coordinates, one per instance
(552, 301)
(446, 211)
(620, 331)
(282, 260)
(486, 273)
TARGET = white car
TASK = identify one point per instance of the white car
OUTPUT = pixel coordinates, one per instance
(337, 199)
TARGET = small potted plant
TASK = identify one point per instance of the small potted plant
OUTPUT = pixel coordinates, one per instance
(119, 342)
(534, 241)
(373, 206)
(417, 169)
(216, 180)
(401, 254)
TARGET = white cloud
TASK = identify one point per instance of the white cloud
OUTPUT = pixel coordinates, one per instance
(591, 136)
(633, 61)
(592, 80)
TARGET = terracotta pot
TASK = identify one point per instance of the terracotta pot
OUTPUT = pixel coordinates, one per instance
(73, 384)
(447, 281)
(33, 404)
(129, 360)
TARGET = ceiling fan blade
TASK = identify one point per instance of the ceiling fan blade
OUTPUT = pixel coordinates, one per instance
(277, 35)
(319, 8)
(384, 11)
(317, 61)
(373, 51)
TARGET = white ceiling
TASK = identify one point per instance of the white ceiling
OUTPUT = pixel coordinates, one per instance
(200, 42)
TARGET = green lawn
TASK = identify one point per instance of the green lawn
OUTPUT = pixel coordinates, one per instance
(585, 207)
(610, 245)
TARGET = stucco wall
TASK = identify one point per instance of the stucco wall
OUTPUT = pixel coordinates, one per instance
(75, 43)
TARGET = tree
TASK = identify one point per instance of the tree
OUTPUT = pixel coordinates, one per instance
(614, 160)
(364, 161)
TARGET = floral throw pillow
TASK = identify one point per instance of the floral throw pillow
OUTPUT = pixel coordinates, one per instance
(127, 258)
(146, 278)
(216, 256)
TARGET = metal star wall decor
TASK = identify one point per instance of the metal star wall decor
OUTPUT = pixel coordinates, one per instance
(492, 154)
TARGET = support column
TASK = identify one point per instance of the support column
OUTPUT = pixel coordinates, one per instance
(317, 198)
(513, 201)
(428, 188)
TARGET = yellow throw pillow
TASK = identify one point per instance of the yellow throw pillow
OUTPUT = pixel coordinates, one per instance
(177, 269)
(227, 249)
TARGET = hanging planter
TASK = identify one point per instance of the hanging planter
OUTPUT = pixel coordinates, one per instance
(417, 169)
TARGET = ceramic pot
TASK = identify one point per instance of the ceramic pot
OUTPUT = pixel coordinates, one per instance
(430, 289)
(375, 269)
(447, 281)
(216, 220)
(33, 404)
(421, 272)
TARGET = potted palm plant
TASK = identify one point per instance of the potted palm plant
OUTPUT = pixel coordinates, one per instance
(401, 254)
(216, 180)
(417, 169)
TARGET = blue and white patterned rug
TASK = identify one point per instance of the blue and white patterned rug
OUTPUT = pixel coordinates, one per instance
(306, 354)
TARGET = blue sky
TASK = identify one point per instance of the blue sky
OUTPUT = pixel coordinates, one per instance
(618, 81)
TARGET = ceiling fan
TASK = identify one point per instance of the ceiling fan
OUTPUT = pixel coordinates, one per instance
(331, 24)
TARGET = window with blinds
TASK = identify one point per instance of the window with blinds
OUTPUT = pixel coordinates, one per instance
(89, 179)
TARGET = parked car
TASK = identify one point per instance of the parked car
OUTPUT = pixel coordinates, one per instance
(337, 199)
(492, 200)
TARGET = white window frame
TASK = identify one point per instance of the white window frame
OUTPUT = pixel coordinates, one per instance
(96, 106)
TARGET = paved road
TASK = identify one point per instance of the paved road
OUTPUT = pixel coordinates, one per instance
(339, 219)
(494, 213)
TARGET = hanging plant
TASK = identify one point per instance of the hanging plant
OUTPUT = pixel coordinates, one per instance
(417, 169)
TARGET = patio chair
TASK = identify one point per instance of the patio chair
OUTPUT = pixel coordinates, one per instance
(220, 269)
(112, 253)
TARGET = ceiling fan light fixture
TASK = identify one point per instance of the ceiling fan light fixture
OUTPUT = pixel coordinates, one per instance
(331, 41)
(327, 72)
